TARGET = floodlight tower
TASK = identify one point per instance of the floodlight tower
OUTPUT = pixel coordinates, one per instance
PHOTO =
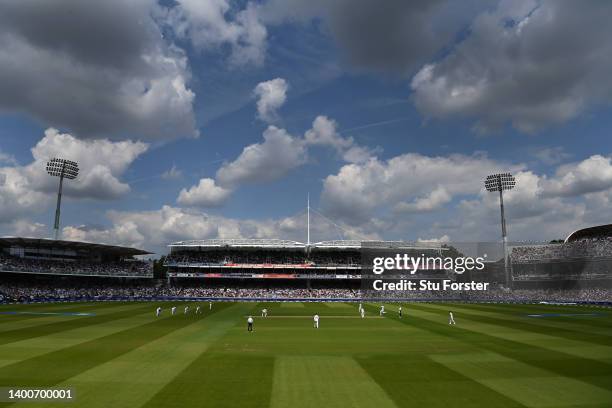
(61, 168)
(500, 182)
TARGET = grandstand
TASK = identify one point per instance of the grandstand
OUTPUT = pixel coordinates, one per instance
(34, 256)
(275, 259)
(584, 256)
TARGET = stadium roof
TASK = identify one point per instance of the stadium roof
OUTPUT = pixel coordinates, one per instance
(596, 231)
(74, 245)
(238, 243)
(282, 244)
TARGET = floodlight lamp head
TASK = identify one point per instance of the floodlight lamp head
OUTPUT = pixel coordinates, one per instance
(63, 168)
(499, 182)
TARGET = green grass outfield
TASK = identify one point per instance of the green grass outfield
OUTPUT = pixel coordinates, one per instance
(496, 356)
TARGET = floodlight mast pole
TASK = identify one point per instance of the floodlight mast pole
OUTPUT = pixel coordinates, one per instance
(500, 182)
(61, 168)
(59, 203)
(503, 225)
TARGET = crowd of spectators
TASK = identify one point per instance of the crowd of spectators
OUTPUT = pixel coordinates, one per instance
(118, 268)
(589, 248)
(286, 257)
(23, 291)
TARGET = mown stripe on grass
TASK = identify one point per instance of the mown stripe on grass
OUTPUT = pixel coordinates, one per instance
(576, 323)
(12, 318)
(151, 366)
(417, 381)
(325, 381)
(590, 371)
(548, 339)
(530, 326)
(221, 380)
(524, 383)
(10, 336)
(36, 346)
(57, 366)
(53, 319)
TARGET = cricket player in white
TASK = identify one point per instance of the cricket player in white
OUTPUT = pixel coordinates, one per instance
(362, 313)
(250, 324)
(382, 310)
(451, 319)
(209, 305)
(400, 312)
(158, 311)
(186, 309)
(360, 307)
(173, 310)
(264, 312)
(198, 311)
(316, 321)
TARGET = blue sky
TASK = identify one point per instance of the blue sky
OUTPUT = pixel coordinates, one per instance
(218, 118)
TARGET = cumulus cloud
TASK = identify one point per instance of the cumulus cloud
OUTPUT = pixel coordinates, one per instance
(28, 189)
(279, 153)
(588, 176)
(532, 64)
(358, 190)
(272, 159)
(91, 69)
(214, 24)
(205, 194)
(271, 95)
(155, 229)
(324, 133)
(433, 200)
(101, 163)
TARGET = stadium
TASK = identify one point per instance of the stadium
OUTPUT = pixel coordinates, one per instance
(79, 318)
(305, 204)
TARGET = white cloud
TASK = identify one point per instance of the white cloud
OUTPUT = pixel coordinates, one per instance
(513, 66)
(214, 24)
(101, 163)
(276, 156)
(29, 189)
(154, 230)
(434, 200)
(588, 176)
(324, 133)
(358, 190)
(205, 194)
(271, 95)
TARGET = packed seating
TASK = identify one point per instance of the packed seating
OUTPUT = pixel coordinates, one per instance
(24, 290)
(590, 248)
(118, 268)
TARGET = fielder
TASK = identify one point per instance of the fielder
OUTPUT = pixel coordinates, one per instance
(382, 310)
(316, 321)
(198, 311)
(186, 309)
(451, 319)
(250, 324)
(400, 312)
(173, 310)
(264, 312)
(362, 313)
(209, 305)
(158, 311)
